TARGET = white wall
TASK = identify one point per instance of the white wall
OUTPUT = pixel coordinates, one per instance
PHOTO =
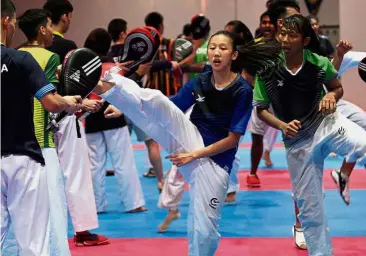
(219, 13)
(328, 11)
(352, 27)
(249, 12)
(89, 14)
(22, 6)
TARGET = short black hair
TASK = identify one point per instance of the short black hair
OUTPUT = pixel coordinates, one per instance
(187, 29)
(31, 21)
(311, 16)
(7, 8)
(278, 9)
(115, 27)
(154, 19)
(99, 41)
(266, 13)
(57, 8)
(285, 3)
(240, 27)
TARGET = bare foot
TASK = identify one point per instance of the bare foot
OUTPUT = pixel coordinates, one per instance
(332, 155)
(172, 215)
(138, 209)
(230, 197)
(267, 159)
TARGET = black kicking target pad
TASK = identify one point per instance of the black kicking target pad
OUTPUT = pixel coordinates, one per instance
(138, 47)
(362, 69)
(156, 35)
(80, 73)
(182, 48)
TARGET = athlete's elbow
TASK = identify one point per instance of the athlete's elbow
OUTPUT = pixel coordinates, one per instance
(233, 139)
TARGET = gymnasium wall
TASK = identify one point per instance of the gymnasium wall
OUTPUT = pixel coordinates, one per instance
(352, 27)
(89, 14)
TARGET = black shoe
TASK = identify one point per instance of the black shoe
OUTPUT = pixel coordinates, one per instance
(150, 173)
(342, 184)
(109, 173)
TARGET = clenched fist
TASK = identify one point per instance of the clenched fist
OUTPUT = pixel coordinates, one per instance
(290, 130)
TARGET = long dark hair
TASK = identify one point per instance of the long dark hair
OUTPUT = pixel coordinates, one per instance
(259, 58)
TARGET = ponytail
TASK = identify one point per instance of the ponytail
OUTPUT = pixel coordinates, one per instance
(260, 57)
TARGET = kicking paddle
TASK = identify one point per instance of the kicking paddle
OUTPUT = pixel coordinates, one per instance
(362, 69)
(139, 47)
(182, 48)
(79, 76)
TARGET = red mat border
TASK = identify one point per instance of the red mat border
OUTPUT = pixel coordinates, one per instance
(279, 179)
(343, 246)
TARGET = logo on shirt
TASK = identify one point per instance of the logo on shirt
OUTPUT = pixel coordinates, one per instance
(201, 51)
(76, 76)
(341, 131)
(108, 75)
(4, 68)
(280, 83)
(200, 98)
(214, 202)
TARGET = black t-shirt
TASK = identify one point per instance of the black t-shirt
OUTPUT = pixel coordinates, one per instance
(22, 79)
(162, 78)
(96, 122)
(296, 96)
(61, 46)
(116, 53)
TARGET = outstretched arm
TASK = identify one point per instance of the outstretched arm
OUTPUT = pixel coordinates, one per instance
(342, 48)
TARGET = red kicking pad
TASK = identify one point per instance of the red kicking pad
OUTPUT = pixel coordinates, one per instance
(280, 180)
(343, 246)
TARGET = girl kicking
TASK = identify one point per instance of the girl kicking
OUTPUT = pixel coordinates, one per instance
(203, 146)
